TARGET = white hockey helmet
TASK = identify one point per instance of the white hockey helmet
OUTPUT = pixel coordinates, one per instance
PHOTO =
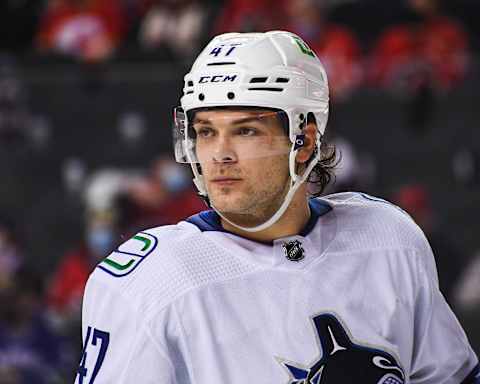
(273, 70)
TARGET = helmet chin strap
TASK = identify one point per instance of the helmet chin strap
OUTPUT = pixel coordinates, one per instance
(286, 202)
(295, 182)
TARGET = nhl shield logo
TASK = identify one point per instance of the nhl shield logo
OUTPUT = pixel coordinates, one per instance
(293, 250)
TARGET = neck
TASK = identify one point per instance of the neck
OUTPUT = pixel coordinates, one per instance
(291, 223)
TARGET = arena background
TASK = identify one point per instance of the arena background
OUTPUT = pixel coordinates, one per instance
(87, 89)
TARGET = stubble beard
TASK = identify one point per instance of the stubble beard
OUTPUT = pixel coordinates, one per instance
(254, 206)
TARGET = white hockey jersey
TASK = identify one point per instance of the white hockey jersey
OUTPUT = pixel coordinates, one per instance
(352, 299)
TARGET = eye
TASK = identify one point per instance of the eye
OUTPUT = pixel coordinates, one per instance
(247, 131)
(204, 132)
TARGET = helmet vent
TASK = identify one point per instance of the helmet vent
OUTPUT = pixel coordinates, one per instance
(282, 80)
(266, 89)
(222, 63)
(258, 80)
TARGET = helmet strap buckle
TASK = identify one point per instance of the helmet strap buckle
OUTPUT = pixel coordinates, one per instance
(299, 142)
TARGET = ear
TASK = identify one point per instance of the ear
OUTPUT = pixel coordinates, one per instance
(306, 151)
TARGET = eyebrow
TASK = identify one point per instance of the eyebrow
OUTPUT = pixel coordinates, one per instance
(234, 122)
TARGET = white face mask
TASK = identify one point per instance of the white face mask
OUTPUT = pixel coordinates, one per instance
(174, 177)
(100, 241)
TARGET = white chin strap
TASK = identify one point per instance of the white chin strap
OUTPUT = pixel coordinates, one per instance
(286, 202)
(295, 182)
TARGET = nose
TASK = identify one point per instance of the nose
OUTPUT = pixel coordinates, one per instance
(224, 152)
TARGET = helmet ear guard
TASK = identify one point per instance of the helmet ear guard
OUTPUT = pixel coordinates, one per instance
(274, 70)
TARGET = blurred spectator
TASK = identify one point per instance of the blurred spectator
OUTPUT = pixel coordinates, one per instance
(415, 199)
(101, 235)
(87, 29)
(67, 284)
(443, 43)
(394, 62)
(10, 255)
(30, 351)
(165, 196)
(103, 188)
(433, 51)
(336, 46)
(251, 16)
(174, 24)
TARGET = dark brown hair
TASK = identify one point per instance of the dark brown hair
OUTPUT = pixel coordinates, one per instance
(323, 172)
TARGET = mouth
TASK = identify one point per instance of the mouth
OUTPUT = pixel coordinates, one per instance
(225, 181)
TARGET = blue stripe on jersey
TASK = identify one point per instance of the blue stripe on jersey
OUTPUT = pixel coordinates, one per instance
(207, 221)
(318, 208)
(210, 220)
(473, 377)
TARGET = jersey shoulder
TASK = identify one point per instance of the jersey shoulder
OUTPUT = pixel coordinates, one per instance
(366, 222)
(158, 265)
(127, 259)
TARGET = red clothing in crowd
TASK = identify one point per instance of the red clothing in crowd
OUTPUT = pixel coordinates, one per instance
(251, 16)
(66, 288)
(81, 28)
(438, 46)
(339, 51)
(444, 45)
(174, 209)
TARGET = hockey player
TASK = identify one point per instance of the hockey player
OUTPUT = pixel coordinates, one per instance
(269, 286)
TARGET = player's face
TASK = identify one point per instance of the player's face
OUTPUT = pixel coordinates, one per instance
(244, 161)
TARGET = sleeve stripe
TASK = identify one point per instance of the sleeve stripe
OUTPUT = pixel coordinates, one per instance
(473, 377)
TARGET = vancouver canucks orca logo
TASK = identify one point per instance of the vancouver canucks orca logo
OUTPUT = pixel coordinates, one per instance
(343, 361)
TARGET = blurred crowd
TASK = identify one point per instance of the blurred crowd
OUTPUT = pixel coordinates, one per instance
(40, 315)
(411, 49)
(420, 47)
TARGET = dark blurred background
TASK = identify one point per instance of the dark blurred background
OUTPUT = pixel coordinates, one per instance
(87, 89)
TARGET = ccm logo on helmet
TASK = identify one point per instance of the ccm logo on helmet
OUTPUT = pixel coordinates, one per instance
(217, 79)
